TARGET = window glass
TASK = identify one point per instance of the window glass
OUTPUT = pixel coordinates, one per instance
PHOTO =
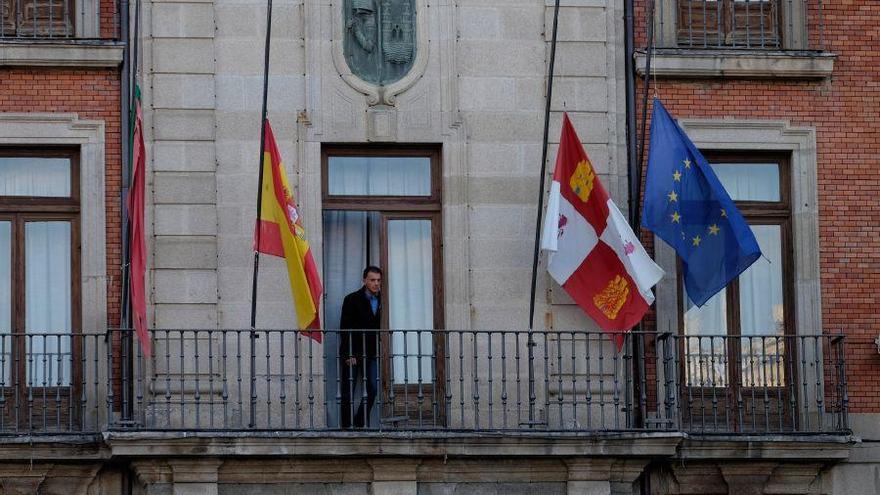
(5, 302)
(760, 286)
(706, 356)
(749, 181)
(48, 302)
(411, 299)
(379, 176)
(34, 176)
(762, 312)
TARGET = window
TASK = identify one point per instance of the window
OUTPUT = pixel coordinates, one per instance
(382, 206)
(729, 23)
(39, 286)
(37, 18)
(738, 347)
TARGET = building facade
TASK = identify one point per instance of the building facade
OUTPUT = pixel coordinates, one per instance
(785, 89)
(411, 132)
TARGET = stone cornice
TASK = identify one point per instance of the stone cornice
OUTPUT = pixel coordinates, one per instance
(123, 444)
(47, 448)
(60, 54)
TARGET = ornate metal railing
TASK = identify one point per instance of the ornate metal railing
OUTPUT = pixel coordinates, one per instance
(553, 382)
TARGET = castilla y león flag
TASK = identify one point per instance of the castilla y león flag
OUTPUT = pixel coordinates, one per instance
(280, 233)
(594, 254)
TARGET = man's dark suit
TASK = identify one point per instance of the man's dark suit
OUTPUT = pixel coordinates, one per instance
(363, 346)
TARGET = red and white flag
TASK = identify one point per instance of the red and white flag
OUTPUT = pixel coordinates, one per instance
(594, 254)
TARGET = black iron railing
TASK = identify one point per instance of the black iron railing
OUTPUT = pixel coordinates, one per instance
(476, 381)
(762, 384)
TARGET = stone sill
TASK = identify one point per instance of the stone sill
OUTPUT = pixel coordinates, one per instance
(688, 63)
(827, 448)
(57, 53)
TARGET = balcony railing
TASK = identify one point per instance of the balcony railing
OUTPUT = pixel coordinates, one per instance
(59, 20)
(550, 382)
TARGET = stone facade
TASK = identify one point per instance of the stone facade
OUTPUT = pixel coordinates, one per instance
(476, 93)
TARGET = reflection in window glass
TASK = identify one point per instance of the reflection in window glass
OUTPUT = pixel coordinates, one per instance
(749, 181)
(379, 176)
(706, 356)
(762, 314)
(34, 176)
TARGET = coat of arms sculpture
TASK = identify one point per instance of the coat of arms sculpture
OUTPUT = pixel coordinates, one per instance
(380, 39)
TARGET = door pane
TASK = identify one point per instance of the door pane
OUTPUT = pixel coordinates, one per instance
(34, 176)
(762, 311)
(5, 302)
(379, 176)
(706, 356)
(411, 299)
(48, 302)
(351, 242)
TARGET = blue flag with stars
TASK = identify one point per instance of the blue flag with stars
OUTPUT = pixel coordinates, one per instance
(686, 206)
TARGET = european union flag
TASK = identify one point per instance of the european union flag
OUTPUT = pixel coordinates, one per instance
(686, 206)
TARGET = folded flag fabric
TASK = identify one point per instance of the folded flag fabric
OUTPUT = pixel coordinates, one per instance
(687, 207)
(594, 254)
(280, 233)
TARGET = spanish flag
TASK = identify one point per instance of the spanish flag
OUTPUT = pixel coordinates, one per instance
(280, 233)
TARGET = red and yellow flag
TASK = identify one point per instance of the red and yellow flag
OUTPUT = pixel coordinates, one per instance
(280, 233)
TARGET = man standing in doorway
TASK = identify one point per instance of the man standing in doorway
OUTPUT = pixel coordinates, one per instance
(359, 349)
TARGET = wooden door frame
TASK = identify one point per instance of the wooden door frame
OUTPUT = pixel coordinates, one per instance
(422, 207)
(756, 213)
(20, 210)
(437, 387)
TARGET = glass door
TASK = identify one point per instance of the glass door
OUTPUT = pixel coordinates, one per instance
(413, 359)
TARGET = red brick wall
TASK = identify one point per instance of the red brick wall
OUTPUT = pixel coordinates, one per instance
(92, 94)
(845, 110)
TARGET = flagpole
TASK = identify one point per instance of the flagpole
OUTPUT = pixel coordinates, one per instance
(649, 20)
(259, 208)
(531, 342)
(262, 163)
(635, 177)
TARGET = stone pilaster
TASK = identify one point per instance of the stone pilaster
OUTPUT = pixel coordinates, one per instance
(588, 476)
(394, 476)
(195, 476)
(152, 477)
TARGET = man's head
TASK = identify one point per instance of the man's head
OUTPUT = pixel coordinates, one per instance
(373, 279)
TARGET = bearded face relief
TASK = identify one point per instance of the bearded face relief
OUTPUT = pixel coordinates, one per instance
(362, 24)
(380, 39)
